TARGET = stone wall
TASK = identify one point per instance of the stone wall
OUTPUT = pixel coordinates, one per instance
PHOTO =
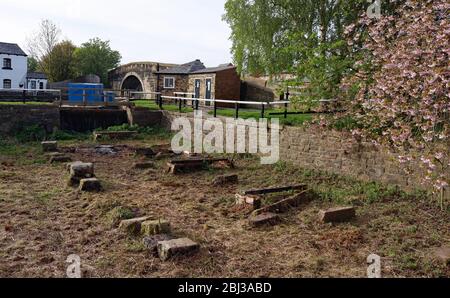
(181, 84)
(253, 92)
(16, 117)
(144, 117)
(336, 152)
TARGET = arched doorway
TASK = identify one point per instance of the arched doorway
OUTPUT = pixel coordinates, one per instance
(132, 83)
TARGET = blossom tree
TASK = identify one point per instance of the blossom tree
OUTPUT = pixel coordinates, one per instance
(399, 91)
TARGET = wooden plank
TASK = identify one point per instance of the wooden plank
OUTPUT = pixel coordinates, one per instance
(286, 204)
(199, 160)
(301, 187)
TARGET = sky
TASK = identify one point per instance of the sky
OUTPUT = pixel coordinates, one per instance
(170, 31)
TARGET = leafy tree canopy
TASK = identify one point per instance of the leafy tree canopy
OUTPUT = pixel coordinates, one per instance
(96, 57)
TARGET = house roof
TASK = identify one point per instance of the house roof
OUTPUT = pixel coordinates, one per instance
(215, 69)
(36, 75)
(11, 49)
(186, 68)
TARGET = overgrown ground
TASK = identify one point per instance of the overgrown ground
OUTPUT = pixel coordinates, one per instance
(42, 220)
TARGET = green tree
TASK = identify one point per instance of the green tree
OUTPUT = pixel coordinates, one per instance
(33, 64)
(301, 37)
(59, 64)
(96, 57)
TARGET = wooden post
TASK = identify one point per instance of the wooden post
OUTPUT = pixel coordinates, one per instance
(237, 110)
(180, 104)
(215, 109)
(23, 96)
(263, 111)
(160, 101)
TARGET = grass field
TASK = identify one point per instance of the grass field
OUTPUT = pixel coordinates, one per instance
(294, 120)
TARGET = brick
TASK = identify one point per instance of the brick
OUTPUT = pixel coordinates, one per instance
(264, 219)
(340, 214)
(90, 185)
(227, 179)
(155, 227)
(250, 200)
(177, 247)
(133, 226)
(50, 146)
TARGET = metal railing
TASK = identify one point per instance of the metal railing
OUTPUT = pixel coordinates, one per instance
(25, 93)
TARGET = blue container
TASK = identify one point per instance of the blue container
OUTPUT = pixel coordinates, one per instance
(110, 96)
(93, 92)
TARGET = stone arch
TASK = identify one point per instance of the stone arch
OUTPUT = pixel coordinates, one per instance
(132, 81)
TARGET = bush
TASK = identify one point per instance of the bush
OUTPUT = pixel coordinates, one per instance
(33, 133)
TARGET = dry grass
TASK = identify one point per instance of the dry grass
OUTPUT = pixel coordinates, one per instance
(42, 221)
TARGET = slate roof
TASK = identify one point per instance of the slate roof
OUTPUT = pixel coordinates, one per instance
(11, 49)
(186, 68)
(36, 76)
(215, 69)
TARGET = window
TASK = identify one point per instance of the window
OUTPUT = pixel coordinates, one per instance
(7, 63)
(7, 84)
(33, 84)
(41, 85)
(169, 83)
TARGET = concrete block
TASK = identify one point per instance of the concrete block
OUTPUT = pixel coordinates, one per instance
(49, 146)
(155, 227)
(177, 247)
(90, 185)
(336, 215)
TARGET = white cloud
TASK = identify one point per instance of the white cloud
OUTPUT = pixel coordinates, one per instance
(155, 30)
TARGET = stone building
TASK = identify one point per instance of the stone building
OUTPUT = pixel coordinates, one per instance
(221, 82)
(176, 79)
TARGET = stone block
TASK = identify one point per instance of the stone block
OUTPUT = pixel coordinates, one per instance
(144, 165)
(133, 226)
(336, 215)
(177, 247)
(60, 159)
(82, 170)
(90, 185)
(264, 219)
(151, 242)
(155, 227)
(49, 146)
(147, 152)
(227, 179)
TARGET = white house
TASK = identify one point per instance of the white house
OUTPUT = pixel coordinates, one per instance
(36, 80)
(14, 69)
(13, 66)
